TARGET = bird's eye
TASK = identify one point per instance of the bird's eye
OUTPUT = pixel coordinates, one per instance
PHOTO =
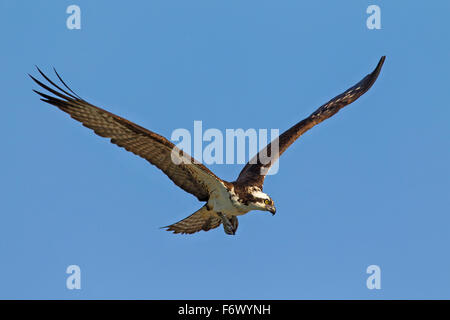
(267, 201)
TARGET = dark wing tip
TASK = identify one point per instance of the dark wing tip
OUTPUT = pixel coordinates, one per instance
(374, 75)
(69, 95)
(33, 78)
(377, 70)
(370, 79)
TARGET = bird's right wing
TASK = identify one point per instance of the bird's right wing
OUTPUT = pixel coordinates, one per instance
(179, 166)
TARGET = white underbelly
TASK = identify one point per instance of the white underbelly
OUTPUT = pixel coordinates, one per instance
(226, 203)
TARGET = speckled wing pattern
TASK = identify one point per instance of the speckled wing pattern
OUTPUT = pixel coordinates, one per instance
(254, 172)
(189, 175)
(202, 219)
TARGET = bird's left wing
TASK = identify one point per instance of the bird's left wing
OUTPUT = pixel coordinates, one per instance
(180, 167)
(255, 171)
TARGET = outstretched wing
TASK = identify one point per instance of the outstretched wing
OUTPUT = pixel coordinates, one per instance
(255, 171)
(182, 169)
(202, 219)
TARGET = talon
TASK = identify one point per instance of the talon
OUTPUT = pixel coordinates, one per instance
(229, 225)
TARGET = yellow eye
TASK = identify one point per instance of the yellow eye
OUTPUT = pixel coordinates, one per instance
(267, 201)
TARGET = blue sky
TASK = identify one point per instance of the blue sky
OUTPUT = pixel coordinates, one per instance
(368, 187)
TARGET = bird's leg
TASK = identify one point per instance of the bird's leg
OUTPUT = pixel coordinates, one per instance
(234, 223)
(229, 225)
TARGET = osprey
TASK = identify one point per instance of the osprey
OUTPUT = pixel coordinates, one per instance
(224, 200)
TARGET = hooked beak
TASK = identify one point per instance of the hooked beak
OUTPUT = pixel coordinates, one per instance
(271, 209)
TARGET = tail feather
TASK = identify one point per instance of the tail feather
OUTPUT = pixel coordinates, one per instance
(203, 219)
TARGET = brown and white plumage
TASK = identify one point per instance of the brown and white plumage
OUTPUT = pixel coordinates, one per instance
(224, 200)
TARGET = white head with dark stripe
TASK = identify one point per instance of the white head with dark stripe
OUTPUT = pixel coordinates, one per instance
(259, 200)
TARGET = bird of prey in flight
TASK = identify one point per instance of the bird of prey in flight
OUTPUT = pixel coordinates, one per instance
(224, 200)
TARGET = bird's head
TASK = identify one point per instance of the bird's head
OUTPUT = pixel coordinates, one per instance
(262, 201)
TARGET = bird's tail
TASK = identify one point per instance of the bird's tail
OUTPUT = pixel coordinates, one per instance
(203, 219)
